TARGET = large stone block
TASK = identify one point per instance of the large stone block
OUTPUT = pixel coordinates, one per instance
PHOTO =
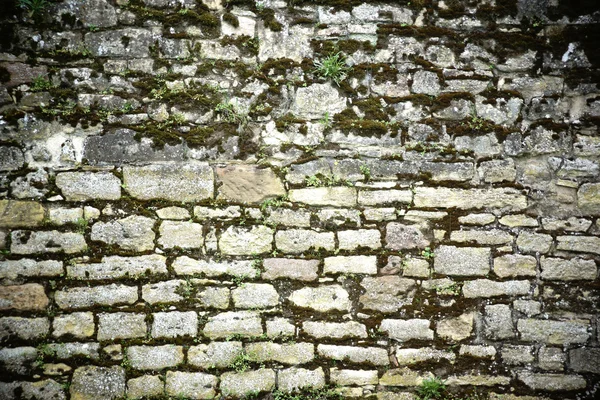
(127, 42)
(488, 288)
(507, 199)
(26, 267)
(386, 293)
(84, 297)
(188, 266)
(84, 186)
(180, 234)
(286, 353)
(255, 295)
(121, 325)
(295, 379)
(28, 297)
(224, 325)
(401, 236)
(20, 214)
(246, 241)
(554, 332)
(354, 354)
(287, 268)
(132, 233)
(191, 385)
(322, 298)
(155, 357)
(341, 196)
(248, 184)
(98, 383)
(115, 267)
(404, 330)
(559, 269)
(27, 242)
(350, 265)
(462, 261)
(244, 383)
(296, 241)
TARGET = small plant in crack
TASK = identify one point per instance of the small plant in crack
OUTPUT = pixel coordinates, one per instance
(332, 67)
(34, 8)
(432, 388)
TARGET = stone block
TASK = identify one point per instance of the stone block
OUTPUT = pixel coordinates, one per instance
(154, 357)
(241, 384)
(121, 325)
(248, 183)
(421, 355)
(23, 328)
(27, 242)
(559, 269)
(360, 238)
(554, 332)
(295, 379)
(517, 354)
(325, 196)
(354, 354)
(297, 241)
(322, 298)
(27, 297)
(456, 329)
(405, 330)
(534, 242)
(78, 324)
(191, 385)
(490, 237)
(97, 383)
(287, 268)
(115, 267)
(583, 244)
(384, 197)
(106, 295)
(584, 359)
(132, 233)
(246, 241)
(350, 377)
(180, 234)
(513, 265)
(166, 291)
(188, 266)
(289, 354)
(334, 330)
(174, 324)
(214, 354)
(20, 214)
(18, 360)
(146, 386)
(488, 288)
(386, 293)
(26, 267)
(462, 261)
(496, 198)
(84, 186)
(553, 359)
(552, 382)
(224, 325)
(255, 295)
(350, 265)
(405, 237)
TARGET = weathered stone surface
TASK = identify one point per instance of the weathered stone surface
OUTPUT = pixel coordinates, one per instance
(84, 186)
(293, 43)
(46, 389)
(477, 351)
(386, 293)
(341, 196)
(497, 322)
(354, 239)
(568, 270)
(572, 224)
(498, 171)
(287, 268)
(204, 213)
(415, 356)
(426, 82)
(354, 354)
(404, 330)
(18, 360)
(584, 244)
(215, 297)
(350, 265)
(28, 297)
(155, 357)
(20, 214)
(214, 354)
(240, 384)
(175, 324)
(240, 268)
(246, 323)
(588, 198)
(384, 197)
(585, 359)
(334, 330)
(26, 242)
(440, 197)
(62, 216)
(121, 325)
(300, 240)
(97, 383)
(290, 354)
(462, 261)
(248, 184)
(314, 101)
(23, 328)
(515, 220)
(11, 158)
(114, 267)
(456, 329)
(477, 380)
(477, 219)
(176, 213)
(131, 233)
(84, 297)
(27, 267)
(191, 385)
(350, 377)
(527, 307)
(246, 241)
(534, 242)
(180, 234)
(174, 182)
(517, 355)
(323, 298)
(280, 327)
(331, 218)
(146, 386)
(552, 382)
(287, 217)
(490, 237)
(488, 288)
(79, 325)
(294, 379)
(402, 237)
(512, 265)
(170, 291)
(403, 377)
(553, 332)
(255, 295)
(112, 43)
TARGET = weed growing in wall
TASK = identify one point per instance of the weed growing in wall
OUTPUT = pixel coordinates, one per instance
(332, 67)
(34, 8)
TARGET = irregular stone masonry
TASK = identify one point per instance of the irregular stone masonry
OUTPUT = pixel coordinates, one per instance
(193, 205)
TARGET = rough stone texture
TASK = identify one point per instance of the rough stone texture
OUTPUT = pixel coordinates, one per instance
(174, 182)
(26, 267)
(244, 241)
(404, 237)
(553, 332)
(384, 197)
(181, 234)
(344, 377)
(28, 297)
(290, 354)
(497, 322)
(403, 377)
(145, 386)
(23, 328)
(405, 330)
(102, 383)
(322, 298)
(488, 288)
(131, 233)
(513, 265)
(358, 355)
(350, 265)
(568, 270)
(415, 356)
(214, 354)
(192, 385)
(294, 379)
(121, 325)
(175, 324)
(334, 330)
(552, 382)
(248, 184)
(314, 101)
(508, 199)
(534, 242)
(331, 196)
(84, 297)
(583, 360)
(154, 357)
(18, 360)
(188, 266)
(386, 293)
(255, 295)
(462, 261)
(360, 238)
(296, 241)
(240, 384)
(224, 325)
(84, 186)
(20, 214)
(79, 325)
(114, 267)
(302, 270)
(26, 242)
(585, 244)
(456, 329)
(517, 355)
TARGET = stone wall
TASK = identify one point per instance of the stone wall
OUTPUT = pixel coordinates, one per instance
(337, 199)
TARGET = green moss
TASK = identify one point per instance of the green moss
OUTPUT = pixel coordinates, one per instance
(231, 19)
(199, 136)
(247, 45)
(278, 66)
(446, 99)
(283, 122)
(491, 94)
(325, 47)
(268, 17)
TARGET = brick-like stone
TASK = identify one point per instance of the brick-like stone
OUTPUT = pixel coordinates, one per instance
(84, 186)
(517, 354)
(477, 380)
(205, 213)
(331, 218)
(583, 244)
(295, 379)
(175, 324)
(287, 268)
(554, 332)
(490, 237)
(115, 267)
(20, 214)
(456, 329)
(191, 385)
(559, 269)
(26, 267)
(176, 213)
(588, 198)
(477, 219)
(97, 383)
(296, 241)
(121, 325)
(107, 295)
(489, 288)
(425, 354)
(404, 377)
(166, 291)
(280, 327)
(146, 386)
(334, 330)
(350, 265)
(386, 293)
(325, 196)
(28, 297)
(26, 242)
(513, 265)
(173, 182)
(322, 298)
(518, 220)
(354, 239)
(585, 359)
(477, 351)
(287, 217)
(403, 237)
(244, 383)
(405, 330)
(246, 241)
(154, 357)
(189, 266)
(78, 324)
(23, 328)
(552, 382)
(255, 295)
(180, 234)
(354, 354)
(66, 351)
(286, 353)
(248, 184)
(215, 297)
(132, 233)
(350, 377)
(463, 199)
(495, 171)
(462, 261)
(498, 322)
(529, 242)
(214, 354)
(63, 216)
(384, 197)
(18, 360)
(224, 325)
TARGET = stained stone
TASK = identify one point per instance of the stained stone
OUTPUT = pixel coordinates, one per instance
(243, 241)
(303, 270)
(241, 384)
(290, 354)
(512, 265)
(568, 270)
(552, 382)
(18, 360)
(496, 198)
(26, 242)
(325, 196)
(386, 293)
(585, 359)
(462, 261)
(78, 324)
(175, 324)
(296, 241)
(353, 377)
(415, 356)
(23, 328)
(354, 354)
(180, 234)
(191, 385)
(46, 389)
(188, 266)
(28, 297)
(404, 377)
(553, 332)
(404, 330)
(214, 354)
(121, 325)
(132, 233)
(322, 298)
(248, 184)
(456, 329)
(146, 386)
(401, 236)
(26, 267)
(97, 383)
(255, 295)
(350, 265)
(295, 379)
(20, 214)
(84, 297)
(224, 325)
(314, 101)
(334, 330)
(155, 357)
(83, 186)
(11, 158)
(497, 322)
(426, 82)
(114, 267)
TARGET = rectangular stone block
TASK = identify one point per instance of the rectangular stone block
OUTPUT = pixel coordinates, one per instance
(288, 268)
(191, 385)
(98, 383)
(154, 357)
(340, 196)
(248, 183)
(84, 186)
(26, 242)
(214, 354)
(462, 261)
(224, 325)
(121, 325)
(25, 267)
(489, 288)
(180, 234)
(405, 330)
(334, 330)
(507, 199)
(559, 269)
(188, 266)
(20, 214)
(351, 240)
(424, 354)
(512, 265)
(350, 265)
(552, 382)
(238, 240)
(244, 383)
(28, 297)
(584, 244)
(23, 328)
(296, 241)
(290, 354)
(287, 217)
(554, 332)
(351, 377)
(354, 354)
(295, 379)
(107, 295)
(490, 237)
(174, 324)
(585, 359)
(174, 182)
(255, 295)
(115, 267)
(384, 197)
